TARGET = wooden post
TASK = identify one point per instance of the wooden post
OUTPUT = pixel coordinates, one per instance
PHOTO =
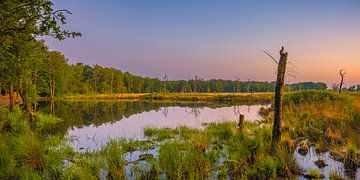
(241, 121)
(276, 133)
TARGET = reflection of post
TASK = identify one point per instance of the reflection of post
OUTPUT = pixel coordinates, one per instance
(112, 111)
(195, 112)
(241, 121)
(52, 106)
(236, 110)
(165, 111)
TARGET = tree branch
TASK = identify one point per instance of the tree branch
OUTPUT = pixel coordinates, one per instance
(268, 54)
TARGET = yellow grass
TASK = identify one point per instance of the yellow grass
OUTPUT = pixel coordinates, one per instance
(173, 96)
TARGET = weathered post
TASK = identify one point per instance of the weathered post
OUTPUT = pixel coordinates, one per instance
(241, 121)
(276, 133)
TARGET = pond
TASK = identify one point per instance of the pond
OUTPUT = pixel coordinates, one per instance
(90, 124)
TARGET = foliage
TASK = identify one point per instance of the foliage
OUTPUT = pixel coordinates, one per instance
(313, 96)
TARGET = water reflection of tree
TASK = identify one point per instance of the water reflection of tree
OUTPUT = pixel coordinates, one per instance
(165, 111)
(79, 114)
(236, 110)
(193, 111)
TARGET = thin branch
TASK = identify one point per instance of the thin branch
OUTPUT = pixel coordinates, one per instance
(267, 53)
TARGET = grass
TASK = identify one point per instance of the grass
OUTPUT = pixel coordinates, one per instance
(314, 174)
(217, 97)
(334, 175)
(30, 150)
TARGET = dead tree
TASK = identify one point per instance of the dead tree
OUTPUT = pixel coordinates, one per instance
(165, 82)
(112, 81)
(342, 74)
(236, 84)
(276, 132)
(195, 81)
(248, 86)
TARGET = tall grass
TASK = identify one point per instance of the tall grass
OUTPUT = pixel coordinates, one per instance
(220, 150)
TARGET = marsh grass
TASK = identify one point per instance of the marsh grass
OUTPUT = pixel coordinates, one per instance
(328, 117)
(334, 175)
(223, 97)
(46, 123)
(220, 150)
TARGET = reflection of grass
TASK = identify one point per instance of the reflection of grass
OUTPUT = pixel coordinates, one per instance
(225, 97)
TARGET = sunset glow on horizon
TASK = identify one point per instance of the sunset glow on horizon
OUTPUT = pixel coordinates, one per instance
(216, 39)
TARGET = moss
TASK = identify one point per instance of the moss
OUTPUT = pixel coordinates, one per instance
(313, 174)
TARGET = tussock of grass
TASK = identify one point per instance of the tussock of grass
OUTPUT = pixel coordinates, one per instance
(7, 161)
(29, 152)
(46, 123)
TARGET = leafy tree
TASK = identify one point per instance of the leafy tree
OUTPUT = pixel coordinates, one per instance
(21, 21)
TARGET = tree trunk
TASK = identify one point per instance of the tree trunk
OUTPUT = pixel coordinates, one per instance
(276, 133)
(52, 108)
(341, 84)
(35, 83)
(25, 104)
(342, 74)
(11, 96)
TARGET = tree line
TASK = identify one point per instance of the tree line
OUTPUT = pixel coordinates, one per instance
(53, 75)
(30, 70)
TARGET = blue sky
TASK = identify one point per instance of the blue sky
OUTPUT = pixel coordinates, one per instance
(215, 39)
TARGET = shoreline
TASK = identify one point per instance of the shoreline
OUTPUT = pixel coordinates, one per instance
(216, 97)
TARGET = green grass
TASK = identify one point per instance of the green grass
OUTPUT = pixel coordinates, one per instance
(314, 174)
(30, 150)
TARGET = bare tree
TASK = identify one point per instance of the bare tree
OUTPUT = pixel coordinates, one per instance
(165, 82)
(342, 73)
(236, 84)
(276, 133)
(112, 81)
(194, 83)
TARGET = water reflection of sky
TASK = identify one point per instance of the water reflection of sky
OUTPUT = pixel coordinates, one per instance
(308, 162)
(93, 137)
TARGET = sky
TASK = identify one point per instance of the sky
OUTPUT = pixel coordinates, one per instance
(216, 38)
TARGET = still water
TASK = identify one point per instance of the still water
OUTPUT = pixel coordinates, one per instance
(90, 124)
